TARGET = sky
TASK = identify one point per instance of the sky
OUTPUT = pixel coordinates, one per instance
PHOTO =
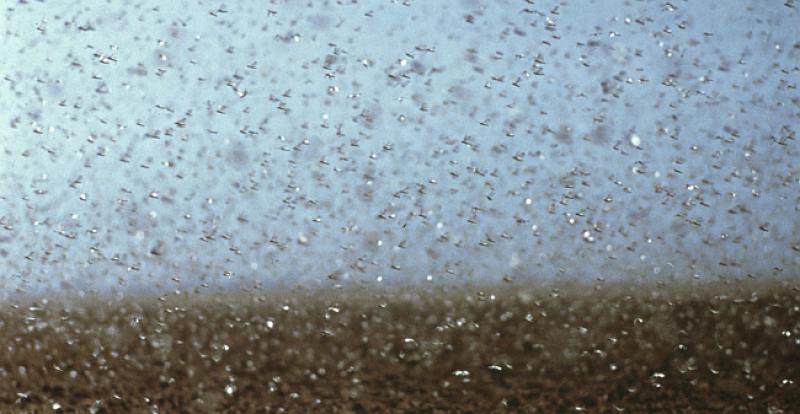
(205, 145)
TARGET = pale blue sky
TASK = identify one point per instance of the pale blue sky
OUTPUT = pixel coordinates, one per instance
(168, 144)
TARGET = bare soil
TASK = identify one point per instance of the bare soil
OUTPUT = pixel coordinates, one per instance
(729, 346)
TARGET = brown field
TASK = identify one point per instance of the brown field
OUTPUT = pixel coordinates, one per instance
(635, 347)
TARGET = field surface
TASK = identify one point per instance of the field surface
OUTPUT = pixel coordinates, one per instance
(602, 347)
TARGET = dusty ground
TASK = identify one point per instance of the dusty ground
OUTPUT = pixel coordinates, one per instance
(678, 347)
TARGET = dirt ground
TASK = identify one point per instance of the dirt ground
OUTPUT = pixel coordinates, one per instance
(637, 347)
